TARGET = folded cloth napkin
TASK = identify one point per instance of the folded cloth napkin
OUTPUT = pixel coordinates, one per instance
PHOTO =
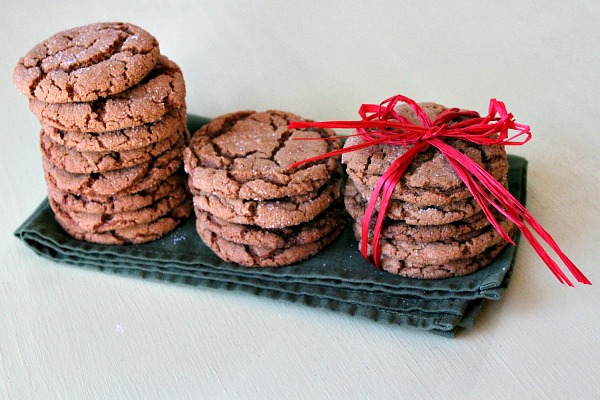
(337, 279)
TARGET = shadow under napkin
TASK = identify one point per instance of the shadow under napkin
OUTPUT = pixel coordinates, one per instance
(338, 278)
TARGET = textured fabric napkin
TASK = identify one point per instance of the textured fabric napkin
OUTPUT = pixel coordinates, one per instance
(338, 278)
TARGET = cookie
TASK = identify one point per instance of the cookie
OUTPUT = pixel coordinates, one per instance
(88, 162)
(429, 233)
(116, 204)
(429, 178)
(440, 252)
(262, 256)
(449, 269)
(246, 155)
(252, 235)
(87, 62)
(409, 213)
(124, 139)
(117, 182)
(276, 213)
(135, 234)
(163, 89)
(103, 222)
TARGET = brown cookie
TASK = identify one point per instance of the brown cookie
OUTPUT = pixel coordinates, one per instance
(87, 162)
(298, 235)
(429, 178)
(276, 213)
(449, 269)
(70, 202)
(117, 182)
(125, 139)
(87, 62)
(459, 230)
(261, 256)
(103, 222)
(246, 155)
(441, 252)
(163, 89)
(446, 188)
(409, 213)
(135, 234)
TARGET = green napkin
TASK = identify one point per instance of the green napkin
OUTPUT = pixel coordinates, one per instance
(337, 279)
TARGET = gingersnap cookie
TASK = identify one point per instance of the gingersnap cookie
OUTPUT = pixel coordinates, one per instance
(70, 202)
(429, 179)
(459, 230)
(409, 213)
(263, 256)
(163, 89)
(278, 238)
(117, 182)
(135, 234)
(458, 267)
(275, 213)
(87, 62)
(124, 139)
(102, 222)
(246, 155)
(440, 252)
(87, 162)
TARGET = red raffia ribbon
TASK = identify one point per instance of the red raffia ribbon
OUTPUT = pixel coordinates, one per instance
(381, 124)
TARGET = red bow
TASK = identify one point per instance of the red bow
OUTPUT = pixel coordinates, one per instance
(381, 124)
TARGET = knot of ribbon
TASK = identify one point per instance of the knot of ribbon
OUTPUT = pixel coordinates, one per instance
(382, 124)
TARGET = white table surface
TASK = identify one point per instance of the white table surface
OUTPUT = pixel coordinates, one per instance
(69, 333)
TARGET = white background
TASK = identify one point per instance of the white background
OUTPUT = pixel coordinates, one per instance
(67, 333)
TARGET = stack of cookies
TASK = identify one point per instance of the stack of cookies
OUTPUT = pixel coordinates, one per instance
(251, 208)
(433, 227)
(113, 117)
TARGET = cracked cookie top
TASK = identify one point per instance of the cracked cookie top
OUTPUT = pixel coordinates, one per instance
(247, 155)
(86, 63)
(429, 179)
(163, 89)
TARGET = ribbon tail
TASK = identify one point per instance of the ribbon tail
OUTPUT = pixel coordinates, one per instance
(386, 183)
(482, 198)
(512, 209)
(512, 216)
